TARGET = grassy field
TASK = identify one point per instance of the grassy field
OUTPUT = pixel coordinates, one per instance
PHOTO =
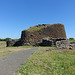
(6, 50)
(52, 62)
(71, 41)
(2, 44)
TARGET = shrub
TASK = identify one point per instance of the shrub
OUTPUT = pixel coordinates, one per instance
(71, 39)
(7, 39)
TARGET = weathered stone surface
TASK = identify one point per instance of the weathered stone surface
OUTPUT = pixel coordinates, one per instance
(63, 44)
(45, 42)
(56, 39)
(13, 43)
(32, 36)
(72, 46)
(10, 43)
(36, 35)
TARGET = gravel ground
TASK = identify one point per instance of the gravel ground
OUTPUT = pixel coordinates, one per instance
(9, 64)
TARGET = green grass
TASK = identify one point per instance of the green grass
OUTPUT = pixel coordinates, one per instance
(6, 50)
(44, 62)
(71, 41)
(3, 53)
(1, 42)
(35, 28)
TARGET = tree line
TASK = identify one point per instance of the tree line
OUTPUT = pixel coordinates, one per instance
(70, 39)
(8, 39)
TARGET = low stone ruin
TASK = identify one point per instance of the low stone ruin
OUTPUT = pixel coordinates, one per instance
(47, 41)
(56, 39)
(13, 43)
(10, 43)
(63, 44)
(72, 46)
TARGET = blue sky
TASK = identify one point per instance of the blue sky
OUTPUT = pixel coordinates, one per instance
(17, 15)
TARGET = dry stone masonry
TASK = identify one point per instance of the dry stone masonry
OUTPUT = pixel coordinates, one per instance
(13, 43)
(72, 46)
(41, 35)
(45, 42)
(37, 33)
(63, 44)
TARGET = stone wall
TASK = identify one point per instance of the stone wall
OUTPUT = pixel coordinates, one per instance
(63, 44)
(13, 43)
(10, 43)
(51, 30)
(45, 42)
(72, 46)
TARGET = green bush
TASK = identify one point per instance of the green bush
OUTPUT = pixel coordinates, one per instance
(71, 39)
(7, 39)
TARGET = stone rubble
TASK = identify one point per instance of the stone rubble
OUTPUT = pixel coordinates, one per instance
(64, 44)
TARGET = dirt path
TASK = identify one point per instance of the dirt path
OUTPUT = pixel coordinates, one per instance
(11, 63)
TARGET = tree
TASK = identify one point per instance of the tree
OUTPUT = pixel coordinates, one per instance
(7, 39)
(71, 39)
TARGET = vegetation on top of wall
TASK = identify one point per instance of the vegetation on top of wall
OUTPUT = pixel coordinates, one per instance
(35, 28)
(40, 27)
